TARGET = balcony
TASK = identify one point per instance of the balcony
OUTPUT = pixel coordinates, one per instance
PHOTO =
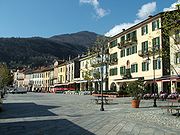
(127, 43)
(113, 61)
(127, 74)
(143, 53)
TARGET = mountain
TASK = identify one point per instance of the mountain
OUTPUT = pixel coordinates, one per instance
(37, 51)
(83, 38)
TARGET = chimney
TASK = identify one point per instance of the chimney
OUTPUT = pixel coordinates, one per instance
(150, 16)
(123, 29)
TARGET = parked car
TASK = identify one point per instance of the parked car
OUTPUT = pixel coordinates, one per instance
(18, 91)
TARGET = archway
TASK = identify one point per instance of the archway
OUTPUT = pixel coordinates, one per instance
(113, 87)
(149, 87)
(122, 88)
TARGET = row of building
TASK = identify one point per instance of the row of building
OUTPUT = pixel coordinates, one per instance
(142, 51)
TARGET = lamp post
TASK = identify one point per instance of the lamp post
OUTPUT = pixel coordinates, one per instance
(100, 59)
(154, 49)
(101, 48)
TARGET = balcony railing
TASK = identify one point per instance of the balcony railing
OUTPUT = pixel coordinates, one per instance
(127, 43)
(127, 74)
(113, 61)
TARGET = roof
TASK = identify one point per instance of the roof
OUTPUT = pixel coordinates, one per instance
(150, 19)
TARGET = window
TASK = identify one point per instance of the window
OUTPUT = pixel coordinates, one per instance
(123, 53)
(156, 64)
(145, 47)
(155, 25)
(113, 57)
(133, 36)
(122, 70)
(134, 49)
(113, 71)
(128, 36)
(113, 43)
(177, 58)
(134, 68)
(144, 30)
(156, 42)
(122, 38)
(128, 51)
(145, 66)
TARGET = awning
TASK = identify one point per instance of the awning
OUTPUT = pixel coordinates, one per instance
(60, 84)
(125, 80)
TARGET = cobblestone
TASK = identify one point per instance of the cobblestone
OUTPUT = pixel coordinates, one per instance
(45, 113)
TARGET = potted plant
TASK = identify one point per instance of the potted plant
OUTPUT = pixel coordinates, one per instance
(135, 90)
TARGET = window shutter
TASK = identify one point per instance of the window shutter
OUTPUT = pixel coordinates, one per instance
(143, 66)
(147, 66)
(142, 31)
(159, 64)
(153, 27)
(146, 29)
(153, 42)
(158, 41)
(158, 23)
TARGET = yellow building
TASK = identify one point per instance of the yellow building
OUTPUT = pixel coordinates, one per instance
(47, 79)
(62, 73)
(136, 53)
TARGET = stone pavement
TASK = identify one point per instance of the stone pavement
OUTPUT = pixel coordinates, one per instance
(58, 114)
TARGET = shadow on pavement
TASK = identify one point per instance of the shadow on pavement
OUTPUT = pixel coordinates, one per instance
(21, 110)
(45, 127)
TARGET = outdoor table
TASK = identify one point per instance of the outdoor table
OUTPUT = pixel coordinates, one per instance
(173, 106)
(98, 98)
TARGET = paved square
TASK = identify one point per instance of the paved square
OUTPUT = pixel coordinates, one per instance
(58, 114)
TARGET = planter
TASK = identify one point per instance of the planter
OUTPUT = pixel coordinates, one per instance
(135, 103)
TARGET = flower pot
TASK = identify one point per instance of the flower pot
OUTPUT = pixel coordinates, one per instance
(135, 103)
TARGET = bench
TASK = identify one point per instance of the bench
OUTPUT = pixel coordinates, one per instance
(176, 109)
(105, 100)
(171, 108)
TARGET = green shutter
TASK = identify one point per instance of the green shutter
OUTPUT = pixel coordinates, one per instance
(153, 42)
(115, 71)
(131, 68)
(158, 23)
(159, 64)
(146, 29)
(158, 41)
(136, 67)
(143, 68)
(142, 33)
(153, 26)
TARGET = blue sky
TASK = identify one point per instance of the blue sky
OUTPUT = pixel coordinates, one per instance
(45, 18)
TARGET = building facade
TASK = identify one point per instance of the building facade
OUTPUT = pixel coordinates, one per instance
(138, 53)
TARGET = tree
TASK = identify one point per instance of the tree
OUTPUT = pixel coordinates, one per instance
(5, 76)
(101, 50)
(170, 28)
(136, 89)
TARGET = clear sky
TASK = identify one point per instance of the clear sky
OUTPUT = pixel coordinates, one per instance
(45, 18)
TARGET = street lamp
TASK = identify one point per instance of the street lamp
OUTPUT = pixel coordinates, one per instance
(100, 59)
(154, 50)
(101, 49)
